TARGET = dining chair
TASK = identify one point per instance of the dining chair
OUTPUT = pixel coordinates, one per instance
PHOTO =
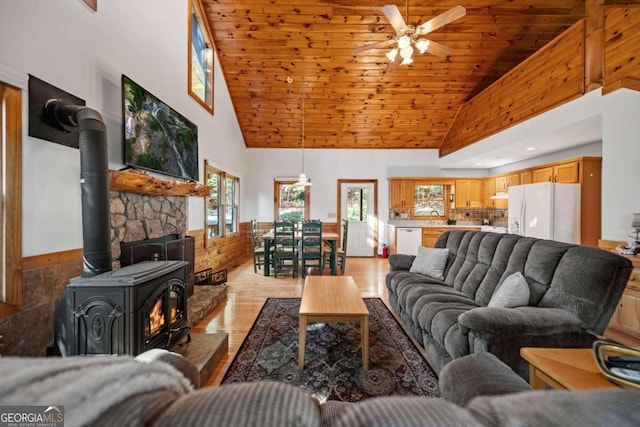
(257, 247)
(311, 245)
(341, 252)
(284, 244)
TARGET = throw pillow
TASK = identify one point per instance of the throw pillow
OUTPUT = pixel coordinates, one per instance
(430, 262)
(512, 292)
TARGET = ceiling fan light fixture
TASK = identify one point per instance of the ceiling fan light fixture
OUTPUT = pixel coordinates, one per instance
(422, 45)
(404, 42)
(406, 61)
(406, 52)
(407, 35)
(391, 55)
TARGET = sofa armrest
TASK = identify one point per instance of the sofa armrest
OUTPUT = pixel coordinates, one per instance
(178, 361)
(400, 262)
(478, 374)
(518, 321)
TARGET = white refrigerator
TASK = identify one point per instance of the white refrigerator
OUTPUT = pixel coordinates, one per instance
(546, 211)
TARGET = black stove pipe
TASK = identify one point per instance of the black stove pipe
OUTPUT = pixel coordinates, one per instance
(94, 180)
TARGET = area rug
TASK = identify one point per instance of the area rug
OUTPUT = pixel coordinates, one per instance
(333, 358)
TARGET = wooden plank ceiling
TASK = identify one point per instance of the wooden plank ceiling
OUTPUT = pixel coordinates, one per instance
(361, 100)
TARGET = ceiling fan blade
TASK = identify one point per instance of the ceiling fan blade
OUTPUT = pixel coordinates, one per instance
(377, 45)
(441, 20)
(394, 17)
(438, 49)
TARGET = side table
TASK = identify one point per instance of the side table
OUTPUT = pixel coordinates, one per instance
(564, 369)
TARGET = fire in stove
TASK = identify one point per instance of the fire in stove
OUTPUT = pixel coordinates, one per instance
(155, 320)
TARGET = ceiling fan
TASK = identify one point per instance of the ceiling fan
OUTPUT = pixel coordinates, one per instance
(408, 35)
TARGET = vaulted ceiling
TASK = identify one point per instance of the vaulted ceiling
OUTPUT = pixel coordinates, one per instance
(361, 100)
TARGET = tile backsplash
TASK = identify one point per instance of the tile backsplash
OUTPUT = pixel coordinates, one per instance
(493, 215)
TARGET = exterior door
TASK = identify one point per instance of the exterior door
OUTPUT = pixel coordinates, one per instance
(357, 207)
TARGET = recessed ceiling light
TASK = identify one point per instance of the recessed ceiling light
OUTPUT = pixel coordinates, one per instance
(499, 157)
(531, 148)
(478, 164)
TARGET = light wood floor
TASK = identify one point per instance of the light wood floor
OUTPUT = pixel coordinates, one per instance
(247, 292)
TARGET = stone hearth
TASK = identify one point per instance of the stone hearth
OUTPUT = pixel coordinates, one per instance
(137, 217)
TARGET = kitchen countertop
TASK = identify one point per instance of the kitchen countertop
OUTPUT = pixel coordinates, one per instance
(439, 224)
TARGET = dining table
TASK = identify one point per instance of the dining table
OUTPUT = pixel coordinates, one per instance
(330, 238)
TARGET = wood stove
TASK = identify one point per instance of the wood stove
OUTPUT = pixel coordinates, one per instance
(126, 311)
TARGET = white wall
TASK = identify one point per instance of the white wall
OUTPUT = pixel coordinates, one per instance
(85, 53)
(620, 163)
(588, 150)
(325, 166)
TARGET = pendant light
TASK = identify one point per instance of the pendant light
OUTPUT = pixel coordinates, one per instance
(303, 179)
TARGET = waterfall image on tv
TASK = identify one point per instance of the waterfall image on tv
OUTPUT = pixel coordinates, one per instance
(156, 137)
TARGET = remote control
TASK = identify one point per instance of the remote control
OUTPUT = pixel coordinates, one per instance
(627, 374)
(624, 362)
(624, 359)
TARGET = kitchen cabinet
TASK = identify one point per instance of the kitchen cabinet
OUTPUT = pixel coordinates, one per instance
(491, 187)
(567, 173)
(542, 174)
(401, 193)
(513, 179)
(626, 318)
(430, 234)
(489, 190)
(624, 325)
(526, 177)
(469, 193)
(501, 183)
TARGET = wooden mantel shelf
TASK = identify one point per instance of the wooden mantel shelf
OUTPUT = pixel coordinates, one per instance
(139, 182)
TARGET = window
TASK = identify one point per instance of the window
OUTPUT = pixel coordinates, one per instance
(11, 200)
(200, 63)
(357, 204)
(222, 202)
(428, 199)
(292, 201)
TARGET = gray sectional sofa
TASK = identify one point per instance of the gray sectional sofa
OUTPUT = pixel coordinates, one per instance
(478, 390)
(573, 292)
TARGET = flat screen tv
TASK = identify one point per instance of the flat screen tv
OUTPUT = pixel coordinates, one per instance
(156, 137)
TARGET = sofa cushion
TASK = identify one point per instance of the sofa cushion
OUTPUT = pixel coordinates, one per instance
(512, 292)
(404, 411)
(610, 407)
(430, 262)
(87, 387)
(265, 403)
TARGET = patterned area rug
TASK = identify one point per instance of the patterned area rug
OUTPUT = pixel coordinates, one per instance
(333, 358)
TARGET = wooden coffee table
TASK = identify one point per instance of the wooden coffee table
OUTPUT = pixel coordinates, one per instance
(332, 299)
(564, 368)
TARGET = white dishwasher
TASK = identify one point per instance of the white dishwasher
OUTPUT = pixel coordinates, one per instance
(408, 240)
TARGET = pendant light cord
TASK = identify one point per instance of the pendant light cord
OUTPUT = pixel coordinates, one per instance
(302, 133)
(295, 98)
